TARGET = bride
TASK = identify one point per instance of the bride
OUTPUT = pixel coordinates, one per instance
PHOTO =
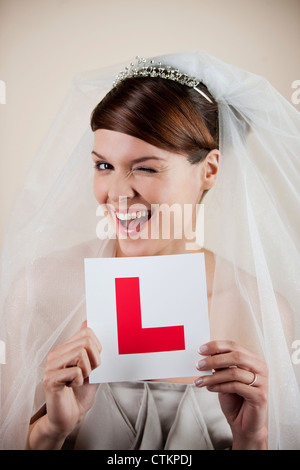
(161, 137)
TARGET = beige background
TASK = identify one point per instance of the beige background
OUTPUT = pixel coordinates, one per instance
(44, 43)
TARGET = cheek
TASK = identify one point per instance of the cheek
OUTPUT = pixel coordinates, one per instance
(193, 188)
(150, 190)
(183, 192)
(99, 191)
(180, 191)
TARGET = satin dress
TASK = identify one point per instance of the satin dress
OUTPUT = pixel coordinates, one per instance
(153, 415)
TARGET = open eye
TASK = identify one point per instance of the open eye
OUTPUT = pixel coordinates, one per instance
(103, 166)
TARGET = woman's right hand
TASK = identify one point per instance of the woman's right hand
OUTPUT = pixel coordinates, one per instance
(68, 394)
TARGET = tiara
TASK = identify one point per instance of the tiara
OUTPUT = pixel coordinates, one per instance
(167, 72)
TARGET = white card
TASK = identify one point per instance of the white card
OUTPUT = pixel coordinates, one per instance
(150, 315)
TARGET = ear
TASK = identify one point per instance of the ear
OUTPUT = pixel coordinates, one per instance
(210, 169)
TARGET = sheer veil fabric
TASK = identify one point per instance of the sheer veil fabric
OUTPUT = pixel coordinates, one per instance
(251, 224)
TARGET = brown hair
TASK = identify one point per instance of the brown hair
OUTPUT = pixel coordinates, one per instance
(163, 113)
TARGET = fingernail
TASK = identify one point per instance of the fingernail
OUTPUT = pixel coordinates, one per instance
(201, 365)
(198, 381)
(203, 349)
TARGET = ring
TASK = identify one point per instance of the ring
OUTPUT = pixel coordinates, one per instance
(254, 380)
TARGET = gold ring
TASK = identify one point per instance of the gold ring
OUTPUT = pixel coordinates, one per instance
(254, 379)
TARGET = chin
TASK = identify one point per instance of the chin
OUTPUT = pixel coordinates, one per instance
(139, 247)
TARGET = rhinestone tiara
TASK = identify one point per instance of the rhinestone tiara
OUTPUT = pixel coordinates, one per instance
(140, 69)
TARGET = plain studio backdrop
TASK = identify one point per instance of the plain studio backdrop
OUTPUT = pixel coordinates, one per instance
(45, 43)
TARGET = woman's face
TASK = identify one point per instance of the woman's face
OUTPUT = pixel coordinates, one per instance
(150, 195)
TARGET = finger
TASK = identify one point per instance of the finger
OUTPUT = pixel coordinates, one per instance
(230, 374)
(80, 351)
(85, 332)
(223, 354)
(219, 347)
(84, 335)
(257, 395)
(56, 380)
(73, 358)
(238, 359)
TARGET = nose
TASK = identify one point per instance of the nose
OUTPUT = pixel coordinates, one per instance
(120, 187)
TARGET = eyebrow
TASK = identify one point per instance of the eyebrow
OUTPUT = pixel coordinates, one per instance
(137, 160)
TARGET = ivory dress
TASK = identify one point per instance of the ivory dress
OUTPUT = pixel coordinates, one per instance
(153, 415)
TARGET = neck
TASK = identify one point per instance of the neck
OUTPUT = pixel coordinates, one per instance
(174, 247)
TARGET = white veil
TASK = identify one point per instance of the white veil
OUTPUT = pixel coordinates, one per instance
(251, 224)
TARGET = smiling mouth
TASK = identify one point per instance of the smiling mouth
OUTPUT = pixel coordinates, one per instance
(133, 221)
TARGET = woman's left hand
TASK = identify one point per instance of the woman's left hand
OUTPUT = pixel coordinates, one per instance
(241, 379)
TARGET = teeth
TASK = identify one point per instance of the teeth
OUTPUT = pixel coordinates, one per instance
(131, 215)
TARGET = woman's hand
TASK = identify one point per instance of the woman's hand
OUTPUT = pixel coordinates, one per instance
(68, 394)
(241, 379)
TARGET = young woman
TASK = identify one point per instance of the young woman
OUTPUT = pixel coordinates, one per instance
(161, 139)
